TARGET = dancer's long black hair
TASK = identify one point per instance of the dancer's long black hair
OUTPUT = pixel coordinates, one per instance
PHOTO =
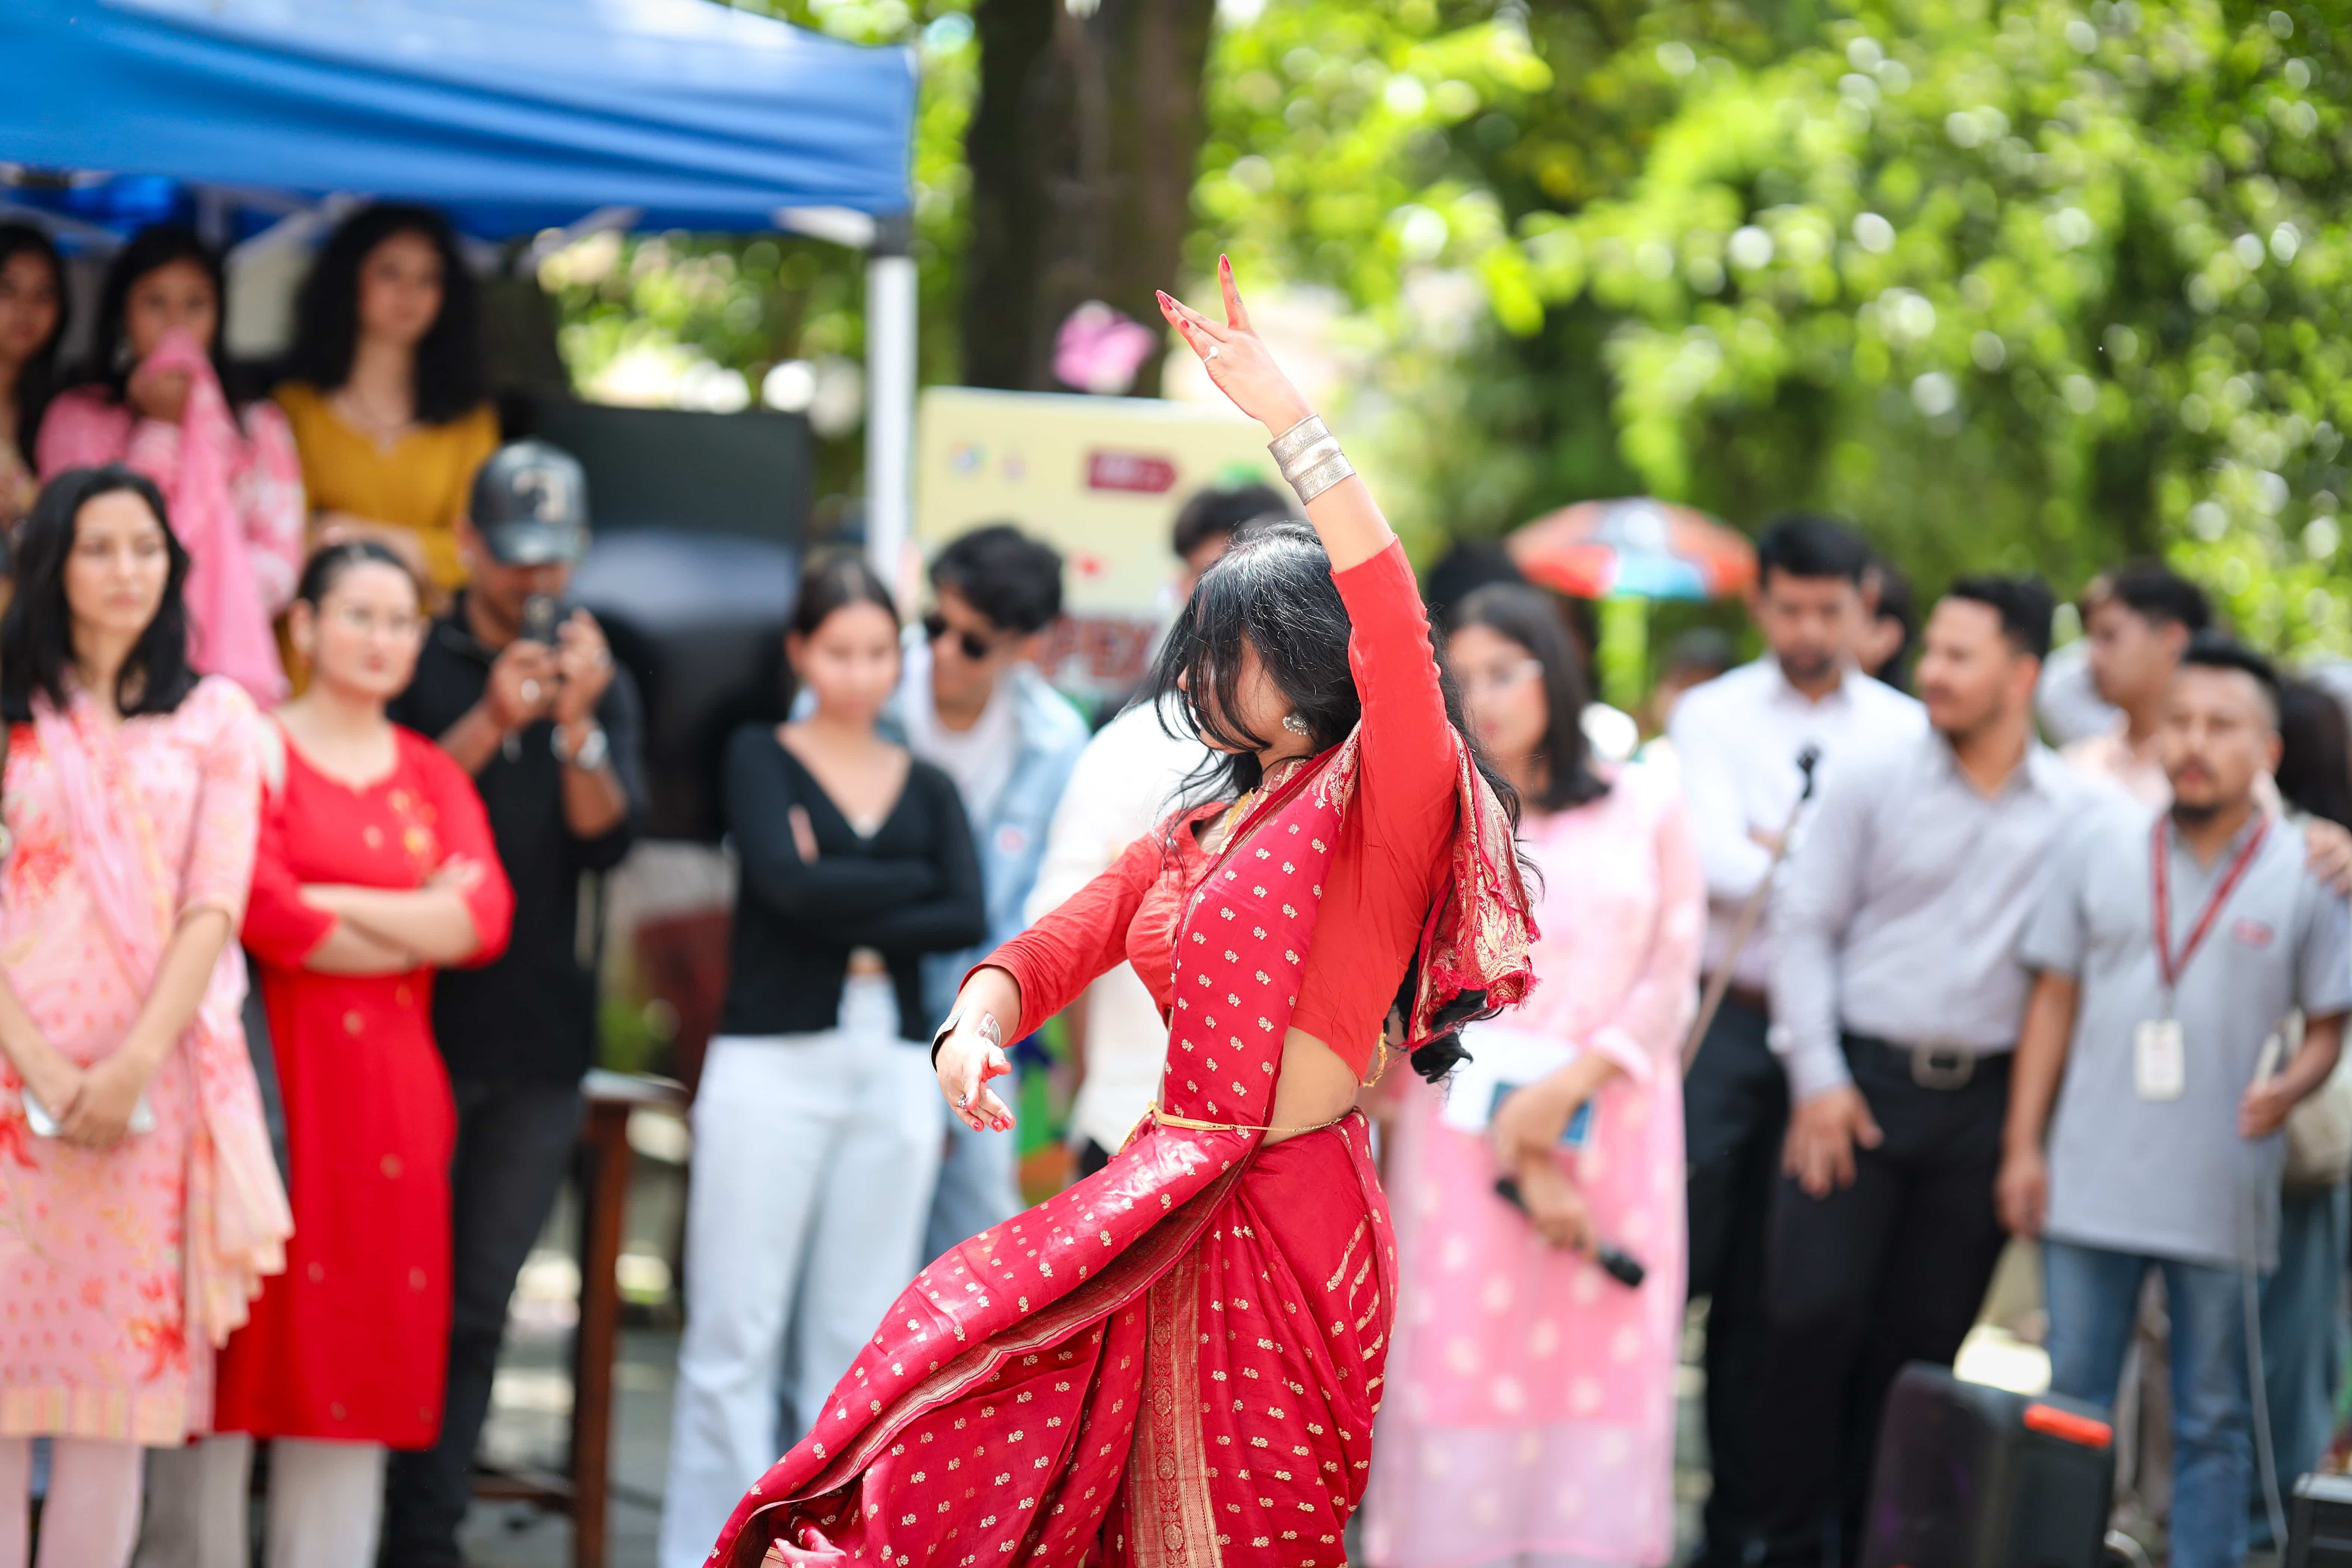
(1273, 591)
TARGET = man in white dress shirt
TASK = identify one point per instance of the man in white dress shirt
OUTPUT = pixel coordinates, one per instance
(1737, 739)
(1128, 777)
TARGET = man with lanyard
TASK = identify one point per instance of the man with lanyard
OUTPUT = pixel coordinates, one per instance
(2170, 955)
(972, 704)
(1736, 740)
(2137, 620)
(1896, 997)
(528, 699)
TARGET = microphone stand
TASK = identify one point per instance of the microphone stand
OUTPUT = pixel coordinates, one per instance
(1751, 915)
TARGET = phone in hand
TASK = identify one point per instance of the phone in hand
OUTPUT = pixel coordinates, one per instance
(540, 617)
(41, 1124)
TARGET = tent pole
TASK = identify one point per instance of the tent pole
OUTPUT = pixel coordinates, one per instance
(890, 301)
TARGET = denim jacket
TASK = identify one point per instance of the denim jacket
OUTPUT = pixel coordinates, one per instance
(1012, 842)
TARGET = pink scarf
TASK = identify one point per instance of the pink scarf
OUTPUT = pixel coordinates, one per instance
(228, 628)
(237, 1218)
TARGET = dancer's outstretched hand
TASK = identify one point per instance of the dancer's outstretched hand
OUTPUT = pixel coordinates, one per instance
(1236, 358)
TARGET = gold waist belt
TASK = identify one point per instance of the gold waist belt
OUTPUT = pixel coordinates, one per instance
(1193, 1124)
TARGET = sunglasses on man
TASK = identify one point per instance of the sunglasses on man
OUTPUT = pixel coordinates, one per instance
(975, 647)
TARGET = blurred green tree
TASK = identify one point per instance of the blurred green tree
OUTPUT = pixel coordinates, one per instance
(2020, 285)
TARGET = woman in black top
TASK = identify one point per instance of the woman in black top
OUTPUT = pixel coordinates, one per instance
(817, 1129)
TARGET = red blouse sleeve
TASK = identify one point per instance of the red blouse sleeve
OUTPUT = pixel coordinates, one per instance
(1081, 938)
(279, 928)
(465, 829)
(1405, 798)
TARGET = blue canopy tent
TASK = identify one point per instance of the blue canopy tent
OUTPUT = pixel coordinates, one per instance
(517, 116)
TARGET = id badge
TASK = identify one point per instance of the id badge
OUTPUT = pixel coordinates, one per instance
(2159, 1064)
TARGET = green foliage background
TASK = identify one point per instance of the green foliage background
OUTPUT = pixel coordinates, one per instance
(2016, 283)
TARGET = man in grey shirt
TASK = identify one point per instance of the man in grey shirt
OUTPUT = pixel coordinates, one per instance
(1896, 996)
(2172, 947)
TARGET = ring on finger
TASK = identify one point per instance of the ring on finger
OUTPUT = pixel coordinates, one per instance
(529, 690)
(1214, 350)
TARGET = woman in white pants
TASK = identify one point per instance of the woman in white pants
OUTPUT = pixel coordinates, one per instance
(816, 1132)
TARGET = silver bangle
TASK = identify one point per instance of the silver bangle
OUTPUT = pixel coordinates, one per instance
(1287, 445)
(1309, 458)
(1321, 477)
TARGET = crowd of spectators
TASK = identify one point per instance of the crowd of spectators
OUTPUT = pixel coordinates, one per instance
(1846, 989)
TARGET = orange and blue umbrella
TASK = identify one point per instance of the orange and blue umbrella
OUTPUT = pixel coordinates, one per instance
(1633, 548)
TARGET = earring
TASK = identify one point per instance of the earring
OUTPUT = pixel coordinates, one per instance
(1295, 724)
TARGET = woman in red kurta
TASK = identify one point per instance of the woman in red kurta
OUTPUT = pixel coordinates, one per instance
(374, 867)
(1177, 1362)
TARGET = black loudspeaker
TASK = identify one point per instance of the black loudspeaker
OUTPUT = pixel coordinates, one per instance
(1971, 1477)
(2319, 1522)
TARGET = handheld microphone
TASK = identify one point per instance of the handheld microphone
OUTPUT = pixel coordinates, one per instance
(1615, 1261)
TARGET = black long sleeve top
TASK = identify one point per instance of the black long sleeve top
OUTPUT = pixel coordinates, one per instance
(913, 888)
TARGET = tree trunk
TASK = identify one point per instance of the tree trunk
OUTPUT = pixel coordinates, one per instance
(1082, 150)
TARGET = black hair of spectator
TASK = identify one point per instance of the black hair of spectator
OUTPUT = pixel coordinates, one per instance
(1015, 581)
(1804, 545)
(1273, 592)
(1700, 648)
(37, 378)
(2315, 771)
(152, 248)
(1219, 511)
(449, 384)
(1467, 565)
(329, 562)
(2211, 650)
(2025, 605)
(1897, 602)
(1524, 615)
(36, 647)
(2155, 593)
(835, 582)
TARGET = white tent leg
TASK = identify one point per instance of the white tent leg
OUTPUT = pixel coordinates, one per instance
(890, 302)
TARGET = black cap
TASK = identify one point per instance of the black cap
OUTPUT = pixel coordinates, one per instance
(531, 505)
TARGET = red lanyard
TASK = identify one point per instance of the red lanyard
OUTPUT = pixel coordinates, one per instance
(2168, 966)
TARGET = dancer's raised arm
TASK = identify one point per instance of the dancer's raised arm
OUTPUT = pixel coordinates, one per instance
(1345, 517)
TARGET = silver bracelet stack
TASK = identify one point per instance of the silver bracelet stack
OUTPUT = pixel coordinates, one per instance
(1309, 458)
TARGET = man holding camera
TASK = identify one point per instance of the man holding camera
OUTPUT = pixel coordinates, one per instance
(526, 696)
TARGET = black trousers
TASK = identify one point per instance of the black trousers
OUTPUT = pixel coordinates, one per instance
(1735, 1114)
(1889, 1271)
(1092, 1157)
(516, 1143)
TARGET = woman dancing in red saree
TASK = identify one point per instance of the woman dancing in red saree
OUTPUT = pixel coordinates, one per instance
(1175, 1363)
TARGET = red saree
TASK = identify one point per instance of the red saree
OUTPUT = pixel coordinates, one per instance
(1175, 1363)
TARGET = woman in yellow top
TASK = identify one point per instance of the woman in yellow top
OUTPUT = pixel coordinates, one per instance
(386, 396)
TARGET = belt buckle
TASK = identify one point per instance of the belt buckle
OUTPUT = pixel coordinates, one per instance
(1941, 1067)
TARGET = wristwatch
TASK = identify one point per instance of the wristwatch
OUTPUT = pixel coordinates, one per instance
(588, 756)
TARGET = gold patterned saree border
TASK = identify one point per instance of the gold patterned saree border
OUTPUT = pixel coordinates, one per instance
(1166, 1475)
(1128, 1277)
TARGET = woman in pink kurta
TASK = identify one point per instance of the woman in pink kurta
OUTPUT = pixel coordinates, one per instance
(139, 1206)
(1530, 1411)
(153, 398)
